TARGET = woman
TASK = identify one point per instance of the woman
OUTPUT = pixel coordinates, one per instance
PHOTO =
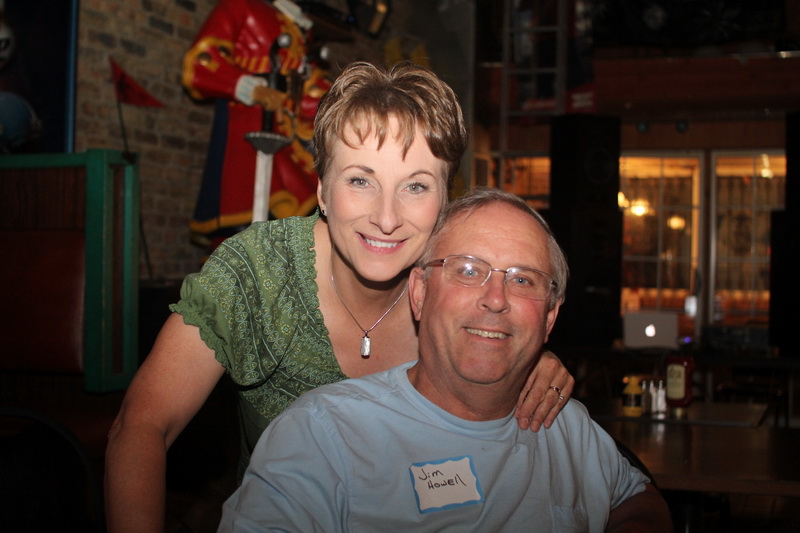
(288, 305)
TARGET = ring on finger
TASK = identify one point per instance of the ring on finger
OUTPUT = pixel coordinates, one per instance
(560, 397)
(553, 387)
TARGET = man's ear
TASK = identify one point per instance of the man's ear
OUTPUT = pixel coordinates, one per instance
(416, 290)
(551, 319)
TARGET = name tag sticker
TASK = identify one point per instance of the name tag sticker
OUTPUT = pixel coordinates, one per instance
(445, 484)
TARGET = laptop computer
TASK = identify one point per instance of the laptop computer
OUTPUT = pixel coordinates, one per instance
(650, 329)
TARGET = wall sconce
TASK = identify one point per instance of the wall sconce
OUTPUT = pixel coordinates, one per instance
(370, 15)
(676, 222)
(766, 172)
(637, 208)
(640, 208)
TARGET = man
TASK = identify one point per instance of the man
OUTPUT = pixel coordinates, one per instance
(433, 445)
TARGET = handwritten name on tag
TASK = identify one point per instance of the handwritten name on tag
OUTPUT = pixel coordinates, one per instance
(445, 484)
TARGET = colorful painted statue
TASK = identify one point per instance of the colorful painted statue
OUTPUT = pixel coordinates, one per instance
(253, 60)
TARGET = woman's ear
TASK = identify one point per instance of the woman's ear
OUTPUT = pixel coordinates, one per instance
(320, 200)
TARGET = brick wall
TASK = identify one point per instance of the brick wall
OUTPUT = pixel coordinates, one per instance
(147, 38)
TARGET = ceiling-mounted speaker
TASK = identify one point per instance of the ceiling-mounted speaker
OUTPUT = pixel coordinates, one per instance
(370, 15)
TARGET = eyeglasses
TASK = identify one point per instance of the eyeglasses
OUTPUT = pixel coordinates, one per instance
(470, 271)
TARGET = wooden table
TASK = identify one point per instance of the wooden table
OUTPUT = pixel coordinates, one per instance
(784, 369)
(715, 458)
(699, 413)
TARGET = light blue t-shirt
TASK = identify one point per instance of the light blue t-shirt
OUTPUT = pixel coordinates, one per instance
(372, 454)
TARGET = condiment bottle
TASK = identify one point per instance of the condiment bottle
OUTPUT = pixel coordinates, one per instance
(659, 407)
(632, 397)
(680, 368)
(647, 396)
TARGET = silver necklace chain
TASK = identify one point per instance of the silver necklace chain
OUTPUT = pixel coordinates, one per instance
(366, 342)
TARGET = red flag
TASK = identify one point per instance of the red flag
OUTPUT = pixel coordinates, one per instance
(128, 91)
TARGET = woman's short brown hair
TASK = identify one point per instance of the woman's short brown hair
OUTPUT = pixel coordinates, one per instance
(363, 98)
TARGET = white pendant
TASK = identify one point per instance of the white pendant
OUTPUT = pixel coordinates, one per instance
(365, 347)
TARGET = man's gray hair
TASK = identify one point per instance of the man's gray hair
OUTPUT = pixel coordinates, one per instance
(483, 196)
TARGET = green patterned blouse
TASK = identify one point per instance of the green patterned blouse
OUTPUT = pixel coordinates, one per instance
(255, 303)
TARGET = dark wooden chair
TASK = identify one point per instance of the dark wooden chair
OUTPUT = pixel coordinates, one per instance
(69, 236)
(49, 482)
